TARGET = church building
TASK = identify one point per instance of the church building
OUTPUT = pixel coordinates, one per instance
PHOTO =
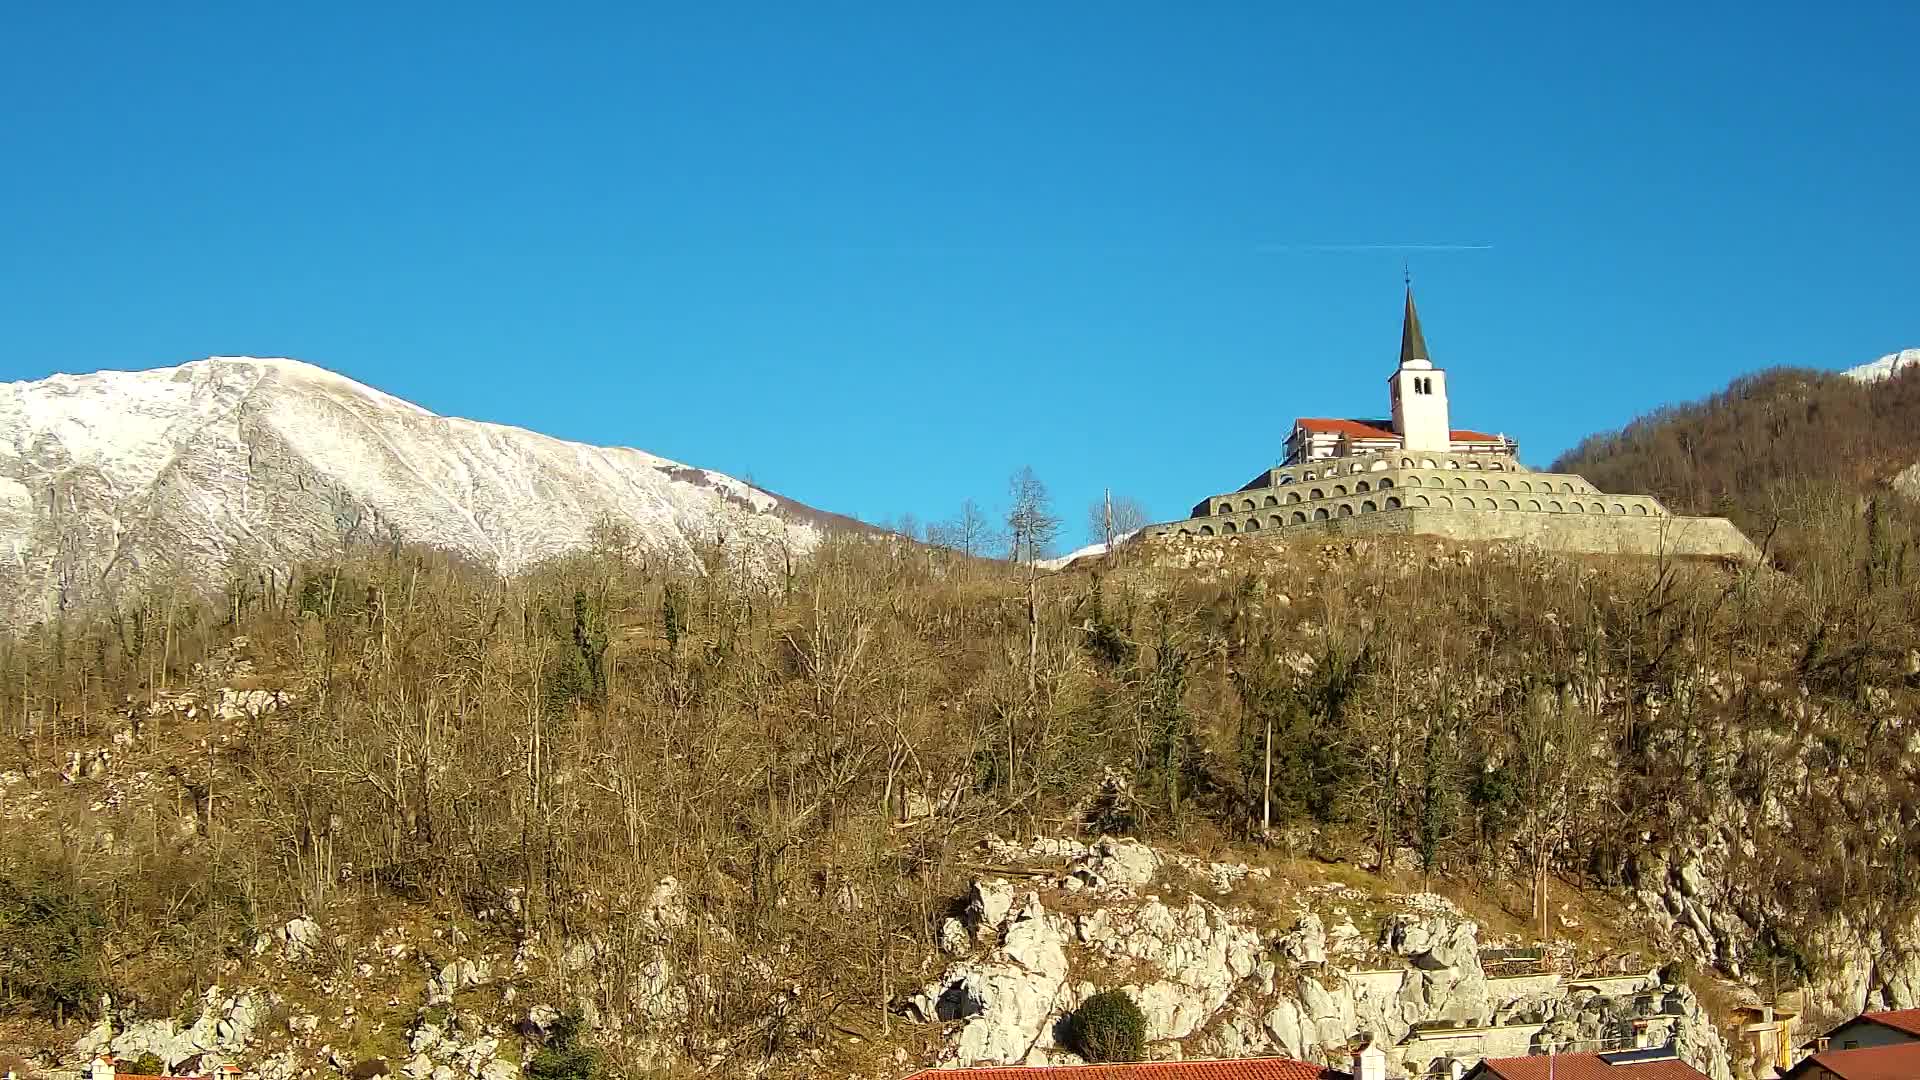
(1418, 391)
(1415, 473)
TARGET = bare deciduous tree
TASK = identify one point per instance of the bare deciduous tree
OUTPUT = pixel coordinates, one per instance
(970, 532)
(1113, 516)
(1032, 526)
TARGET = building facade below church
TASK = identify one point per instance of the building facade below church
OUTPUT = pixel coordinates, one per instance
(1416, 473)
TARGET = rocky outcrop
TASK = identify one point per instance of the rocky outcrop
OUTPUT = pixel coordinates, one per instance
(1907, 481)
(1006, 1004)
(1219, 981)
(298, 938)
(220, 1033)
(449, 1045)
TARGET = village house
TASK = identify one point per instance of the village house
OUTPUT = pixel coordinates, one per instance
(1653, 1063)
(1887, 1061)
(1230, 1069)
(1886, 1028)
(1883, 1045)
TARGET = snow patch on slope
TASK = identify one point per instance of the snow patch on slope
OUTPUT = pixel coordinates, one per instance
(1887, 366)
(274, 461)
(1084, 553)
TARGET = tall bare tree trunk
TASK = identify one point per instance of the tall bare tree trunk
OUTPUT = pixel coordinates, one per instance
(1266, 784)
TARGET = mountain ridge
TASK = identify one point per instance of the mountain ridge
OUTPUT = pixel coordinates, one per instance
(105, 477)
(1886, 367)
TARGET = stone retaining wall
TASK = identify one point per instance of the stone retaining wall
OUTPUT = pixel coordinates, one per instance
(1463, 497)
(1595, 534)
(1590, 534)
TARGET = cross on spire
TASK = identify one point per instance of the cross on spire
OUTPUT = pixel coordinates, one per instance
(1413, 344)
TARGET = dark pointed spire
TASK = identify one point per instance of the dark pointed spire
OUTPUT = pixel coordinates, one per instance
(1413, 344)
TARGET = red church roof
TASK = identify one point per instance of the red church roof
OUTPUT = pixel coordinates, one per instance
(1377, 429)
(1241, 1069)
(1354, 429)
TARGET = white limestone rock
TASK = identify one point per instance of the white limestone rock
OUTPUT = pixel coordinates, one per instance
(99, 1038)
(280, 1066)
(1345, 939)
(298, 938)
(460, 974)
(302, 1023)
(1008, 1002)
(666, 906)
(426, 1036)
(988, 906)
(1907, 482)
(1200, 951)
(953, 937)
(1331, 1015)
(1306, 942)
(1120, 864)
(542, 1017)
(1290, 1028)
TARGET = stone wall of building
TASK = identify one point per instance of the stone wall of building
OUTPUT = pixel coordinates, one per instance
(1464, 496)
(1590, 533)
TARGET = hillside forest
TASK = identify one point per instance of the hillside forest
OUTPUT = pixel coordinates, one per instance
(813, 749)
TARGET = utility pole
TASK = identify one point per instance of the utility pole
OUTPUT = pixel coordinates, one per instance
(1266, 786)
(1109, 519)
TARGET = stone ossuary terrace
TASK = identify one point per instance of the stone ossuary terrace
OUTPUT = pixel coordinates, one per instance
(1417, 474)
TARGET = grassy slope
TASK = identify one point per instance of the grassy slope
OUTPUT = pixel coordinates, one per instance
(461, 749)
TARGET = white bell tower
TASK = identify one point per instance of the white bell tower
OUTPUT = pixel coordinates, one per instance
(1419, 391)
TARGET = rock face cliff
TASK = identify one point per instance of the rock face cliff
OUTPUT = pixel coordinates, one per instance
(238, 465)
(1217, 970)
(1216, 978)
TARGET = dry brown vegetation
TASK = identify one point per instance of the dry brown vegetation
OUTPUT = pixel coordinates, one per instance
(1776, 451)
(813, 755)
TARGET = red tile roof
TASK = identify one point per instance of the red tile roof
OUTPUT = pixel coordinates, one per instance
(1899, 1061)
(1585, 1067)
(1907, 1020)
(1241, 1069)
(1356, 429)
(1377, 429)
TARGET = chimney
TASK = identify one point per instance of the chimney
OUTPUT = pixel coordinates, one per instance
(103, 1068)
(1369, 1061)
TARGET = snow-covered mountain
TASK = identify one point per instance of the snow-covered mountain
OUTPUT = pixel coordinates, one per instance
(238, 463)
(1886, 366)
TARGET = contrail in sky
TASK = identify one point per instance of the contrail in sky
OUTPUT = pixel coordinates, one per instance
(1376, 247)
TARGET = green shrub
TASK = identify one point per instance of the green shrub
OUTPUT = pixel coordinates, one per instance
(1109, 1027)
(565, 1057)
(51, 938)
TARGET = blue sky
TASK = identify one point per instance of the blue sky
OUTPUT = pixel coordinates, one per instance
(876, 257)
